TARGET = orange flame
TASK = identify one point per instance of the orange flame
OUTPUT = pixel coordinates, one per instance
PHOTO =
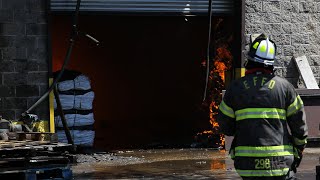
(222, 140)
(222, 63)
(220, 68)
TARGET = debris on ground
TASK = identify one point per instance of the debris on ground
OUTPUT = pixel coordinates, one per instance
(109, 158)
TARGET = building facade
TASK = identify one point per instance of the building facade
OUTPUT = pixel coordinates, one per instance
(294, 26)
(23, 56)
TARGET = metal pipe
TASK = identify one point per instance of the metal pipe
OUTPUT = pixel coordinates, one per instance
(63, 119)
(208, 50)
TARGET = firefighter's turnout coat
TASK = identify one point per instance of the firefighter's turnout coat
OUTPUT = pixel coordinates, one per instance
(260, 110)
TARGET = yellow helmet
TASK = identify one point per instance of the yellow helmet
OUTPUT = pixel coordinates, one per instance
(262, 50)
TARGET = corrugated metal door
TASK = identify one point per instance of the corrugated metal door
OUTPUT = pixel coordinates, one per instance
(162, 7)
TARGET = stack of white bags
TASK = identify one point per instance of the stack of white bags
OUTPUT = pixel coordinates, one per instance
(76, 99)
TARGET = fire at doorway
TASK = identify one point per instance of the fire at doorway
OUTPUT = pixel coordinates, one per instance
(147, 75)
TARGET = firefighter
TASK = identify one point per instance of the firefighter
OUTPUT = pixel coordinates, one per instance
(266, 116)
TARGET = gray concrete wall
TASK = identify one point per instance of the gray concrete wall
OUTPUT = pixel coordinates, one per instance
(294, 25)
(23, 56)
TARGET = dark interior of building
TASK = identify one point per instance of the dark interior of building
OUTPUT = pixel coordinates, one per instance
(147, 75)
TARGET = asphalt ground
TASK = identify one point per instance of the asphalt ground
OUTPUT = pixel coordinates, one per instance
(172, 164)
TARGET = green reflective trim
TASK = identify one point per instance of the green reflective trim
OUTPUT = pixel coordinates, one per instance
(265, 154)
(264, 151)
(263, 148)
(263, 48)
(226, 110)
(299, 141)
(295, 106)
(255, 46)
(268, 172)
(271, 50)
(295, 153)
(252, 113)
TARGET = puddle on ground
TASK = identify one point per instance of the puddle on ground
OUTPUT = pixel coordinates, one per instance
(175, 164)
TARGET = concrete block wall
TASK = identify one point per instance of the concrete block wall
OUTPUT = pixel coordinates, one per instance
(294, 25)
(23, 56)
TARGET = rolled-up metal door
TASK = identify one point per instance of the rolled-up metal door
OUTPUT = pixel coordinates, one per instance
(149, 7)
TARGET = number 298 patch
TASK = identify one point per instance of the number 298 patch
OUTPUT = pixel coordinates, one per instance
(262, 163)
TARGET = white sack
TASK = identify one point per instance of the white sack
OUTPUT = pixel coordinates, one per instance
(84, 102)
(80, 137)
(75, 120)
(82, 82)
(79, 102)
(66, 85)
(67, 101)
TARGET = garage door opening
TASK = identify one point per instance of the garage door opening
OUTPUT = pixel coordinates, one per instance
(148, 73)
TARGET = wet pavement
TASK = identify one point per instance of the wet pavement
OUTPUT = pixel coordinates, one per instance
(172, 164)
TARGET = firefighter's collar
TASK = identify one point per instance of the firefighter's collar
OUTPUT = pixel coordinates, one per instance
(258, 71)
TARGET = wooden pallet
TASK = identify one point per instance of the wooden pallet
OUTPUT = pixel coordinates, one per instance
(13, 144)
(35, 160)
(36, 173)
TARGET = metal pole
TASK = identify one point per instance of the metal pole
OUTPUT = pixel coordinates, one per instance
(208, 50)
(63, 119)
